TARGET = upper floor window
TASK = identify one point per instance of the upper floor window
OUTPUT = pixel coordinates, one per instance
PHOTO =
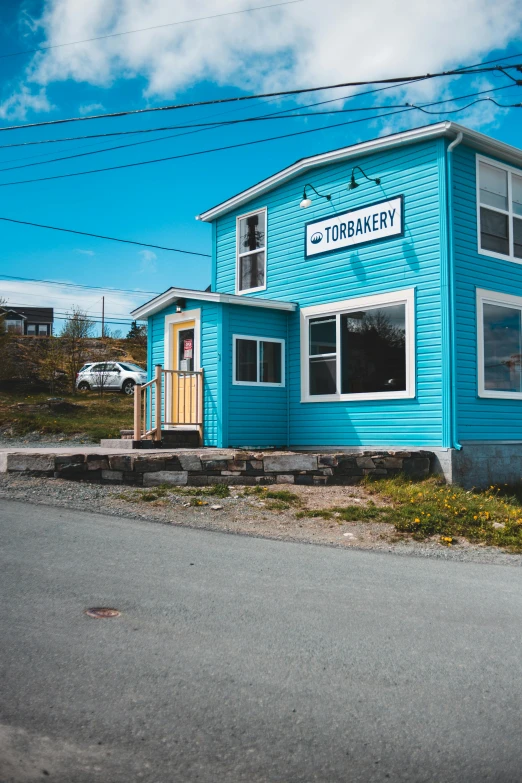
(500, 210)
(359, 349)
(251, 252)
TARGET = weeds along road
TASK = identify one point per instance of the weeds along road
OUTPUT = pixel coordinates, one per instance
(242, 659)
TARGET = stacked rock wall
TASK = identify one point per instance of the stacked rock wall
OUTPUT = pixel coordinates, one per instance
(199, 468)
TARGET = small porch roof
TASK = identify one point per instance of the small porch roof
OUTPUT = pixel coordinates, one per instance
(173, 295)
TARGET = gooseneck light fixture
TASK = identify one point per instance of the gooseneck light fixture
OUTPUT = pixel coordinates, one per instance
(306, 202)
(353, 184)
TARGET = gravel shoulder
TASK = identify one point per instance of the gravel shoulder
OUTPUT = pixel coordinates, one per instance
(247, 515)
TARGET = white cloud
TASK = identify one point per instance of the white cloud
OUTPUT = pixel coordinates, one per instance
(302, 44)
(148, 261)
(309, 43)
(86, 252)
(23, 100)
(91, 108)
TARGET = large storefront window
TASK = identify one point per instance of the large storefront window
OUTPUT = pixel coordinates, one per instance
(500, 210)
(251, 252)
(362, 349)
(499, 345)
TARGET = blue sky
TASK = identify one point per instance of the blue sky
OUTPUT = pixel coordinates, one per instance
(307, 43)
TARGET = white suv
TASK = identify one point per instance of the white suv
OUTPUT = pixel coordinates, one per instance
(120, 376)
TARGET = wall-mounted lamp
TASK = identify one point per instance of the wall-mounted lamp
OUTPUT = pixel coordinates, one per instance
(180, 304)
(353, 184)
(306, 202)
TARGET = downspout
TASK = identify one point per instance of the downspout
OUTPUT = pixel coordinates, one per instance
(451, 295)
(287, 382)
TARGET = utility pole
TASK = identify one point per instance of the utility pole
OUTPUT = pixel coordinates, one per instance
(103, 317)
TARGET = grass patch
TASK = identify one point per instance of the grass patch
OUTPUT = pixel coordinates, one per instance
(281, 495)
(162, 492)
(98, 417)
(428, 508)
(344, 513)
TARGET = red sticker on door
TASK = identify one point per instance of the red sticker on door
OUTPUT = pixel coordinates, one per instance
(187, 349)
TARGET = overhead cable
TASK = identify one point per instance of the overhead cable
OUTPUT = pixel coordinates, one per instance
(101, 236)
(79, 285)
(146, 29)
(279, 93)
(264, 117)
(238, 145)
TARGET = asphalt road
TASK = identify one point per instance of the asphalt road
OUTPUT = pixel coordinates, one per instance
(238, 659)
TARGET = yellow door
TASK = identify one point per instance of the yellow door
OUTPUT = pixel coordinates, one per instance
(184, 391)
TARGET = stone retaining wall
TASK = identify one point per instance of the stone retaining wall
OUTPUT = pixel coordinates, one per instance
(197, 468)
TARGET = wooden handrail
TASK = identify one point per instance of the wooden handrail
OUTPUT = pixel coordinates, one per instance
(153, 405)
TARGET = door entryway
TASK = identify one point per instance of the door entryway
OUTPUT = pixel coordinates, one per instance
(183, 380)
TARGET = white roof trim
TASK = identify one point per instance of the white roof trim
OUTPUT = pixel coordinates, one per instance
(478, 140)
(173, 294)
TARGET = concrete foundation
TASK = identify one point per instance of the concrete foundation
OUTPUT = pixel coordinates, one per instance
(481, 464)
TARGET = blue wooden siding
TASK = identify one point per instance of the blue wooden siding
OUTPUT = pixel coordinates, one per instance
(257, 415)
(391, 265)
(478, 418)
(209, 360)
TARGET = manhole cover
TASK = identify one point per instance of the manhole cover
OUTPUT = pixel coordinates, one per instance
(102, 612)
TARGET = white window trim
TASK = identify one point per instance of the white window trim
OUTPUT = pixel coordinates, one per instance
(238, 218)
(258, 340)
(509, 212)
(406, 297)
(495, 298)
(170, 320)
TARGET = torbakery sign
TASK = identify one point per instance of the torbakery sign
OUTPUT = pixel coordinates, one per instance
(355, 227)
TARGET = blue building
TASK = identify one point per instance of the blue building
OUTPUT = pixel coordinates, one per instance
(369, 297)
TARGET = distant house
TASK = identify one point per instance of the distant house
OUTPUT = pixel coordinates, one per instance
(30, 321)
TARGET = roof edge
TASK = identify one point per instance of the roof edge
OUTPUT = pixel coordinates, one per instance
(174, 294)
(477, 139)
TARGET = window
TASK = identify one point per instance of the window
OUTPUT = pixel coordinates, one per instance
(251, 252)
(131, 367)
(258, 361)
(31, 328)
(499, 321)
(14, 326)
(42, 329)
(359, 349)
(500, 210)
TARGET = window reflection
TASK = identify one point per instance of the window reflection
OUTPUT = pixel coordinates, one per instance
(502, 348)
(373, 350)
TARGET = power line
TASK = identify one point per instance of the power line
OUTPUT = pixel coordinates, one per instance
(79, 285)
(193, 125)
(409, 108)
(264, 117)
(146, 29)
(101, 236)
(480, 100)
(282, 111)
(280, 93)
(63, 310)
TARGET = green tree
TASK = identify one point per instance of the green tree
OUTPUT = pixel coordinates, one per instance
(137, 332)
